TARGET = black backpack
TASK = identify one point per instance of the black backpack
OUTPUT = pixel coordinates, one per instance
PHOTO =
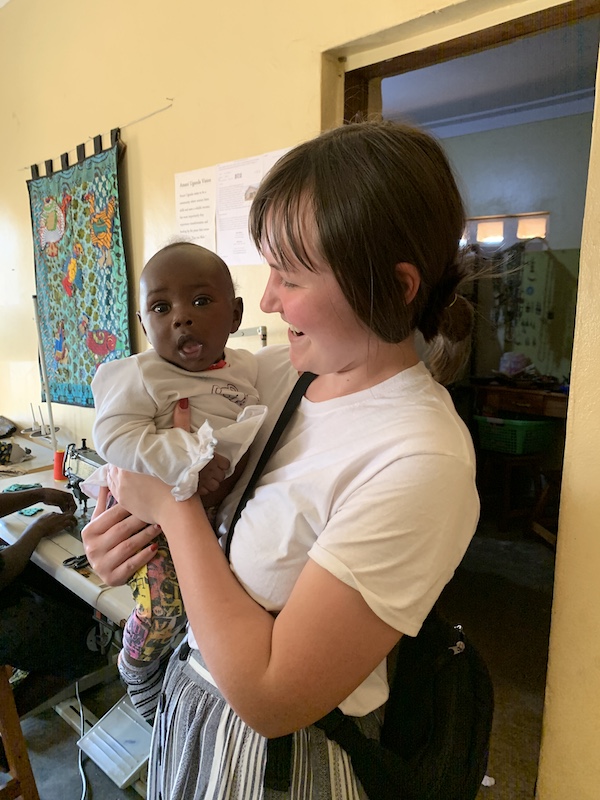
(437, 724)
(438, 718)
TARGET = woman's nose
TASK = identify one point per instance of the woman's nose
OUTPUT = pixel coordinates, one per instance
(270, 300)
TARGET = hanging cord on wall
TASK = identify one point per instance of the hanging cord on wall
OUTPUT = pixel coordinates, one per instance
(127, 125)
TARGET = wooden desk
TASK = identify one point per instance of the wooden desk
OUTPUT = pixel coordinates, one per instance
(490, 400)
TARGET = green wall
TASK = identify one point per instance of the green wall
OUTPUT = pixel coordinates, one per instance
(540, 166)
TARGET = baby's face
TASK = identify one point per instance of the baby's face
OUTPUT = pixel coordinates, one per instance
(187, 307)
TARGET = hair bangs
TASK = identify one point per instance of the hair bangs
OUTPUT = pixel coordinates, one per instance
(281, 212)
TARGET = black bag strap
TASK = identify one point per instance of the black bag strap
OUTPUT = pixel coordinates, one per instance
(290, 406)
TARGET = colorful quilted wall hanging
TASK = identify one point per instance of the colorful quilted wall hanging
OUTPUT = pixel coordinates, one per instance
(80, 270)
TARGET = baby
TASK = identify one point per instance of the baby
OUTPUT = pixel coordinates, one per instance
(188, 308)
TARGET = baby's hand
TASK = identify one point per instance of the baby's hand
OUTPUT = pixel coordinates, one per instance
(213, 474)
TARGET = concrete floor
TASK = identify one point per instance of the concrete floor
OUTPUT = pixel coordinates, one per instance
(55, 756)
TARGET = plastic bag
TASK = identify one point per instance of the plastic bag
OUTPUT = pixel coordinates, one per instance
(7, 427)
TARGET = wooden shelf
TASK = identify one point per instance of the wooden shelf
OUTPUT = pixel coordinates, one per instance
(537, 402)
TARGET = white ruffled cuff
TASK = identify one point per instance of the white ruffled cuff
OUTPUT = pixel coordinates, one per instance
(231, 441)
(91, 485)
(181, 469)
(203, 452)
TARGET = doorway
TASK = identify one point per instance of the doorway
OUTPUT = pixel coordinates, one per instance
(494, 584)
(362, 85)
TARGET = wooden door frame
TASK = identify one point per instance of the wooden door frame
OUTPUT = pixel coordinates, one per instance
(357, 81)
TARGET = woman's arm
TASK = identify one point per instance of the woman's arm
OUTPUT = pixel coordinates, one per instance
(278, 674)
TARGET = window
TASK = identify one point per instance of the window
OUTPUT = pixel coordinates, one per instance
(505, 230)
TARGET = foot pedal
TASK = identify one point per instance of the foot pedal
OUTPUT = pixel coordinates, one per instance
(69, 711)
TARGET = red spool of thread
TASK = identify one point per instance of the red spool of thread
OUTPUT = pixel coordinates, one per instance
(59, 474)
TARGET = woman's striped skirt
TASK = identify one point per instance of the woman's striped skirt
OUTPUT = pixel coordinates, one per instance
(201, 749)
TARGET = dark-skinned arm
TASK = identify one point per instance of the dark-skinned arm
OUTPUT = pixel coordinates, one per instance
(16, 501)
(16, 557)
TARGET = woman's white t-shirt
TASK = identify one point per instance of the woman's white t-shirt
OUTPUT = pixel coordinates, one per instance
(377, 487)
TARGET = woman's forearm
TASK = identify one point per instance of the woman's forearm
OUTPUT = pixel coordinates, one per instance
(279, 674)
(233, 631)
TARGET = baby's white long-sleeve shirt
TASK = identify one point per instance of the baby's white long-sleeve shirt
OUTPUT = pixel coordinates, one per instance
(135, 398)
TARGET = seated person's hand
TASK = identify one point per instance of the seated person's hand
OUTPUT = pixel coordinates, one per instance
(56, 497)
(17, 555)
(51, 524)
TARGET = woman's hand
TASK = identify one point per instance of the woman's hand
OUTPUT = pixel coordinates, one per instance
(101, 502)
(117, 544)
(144, 496)
(182, 415)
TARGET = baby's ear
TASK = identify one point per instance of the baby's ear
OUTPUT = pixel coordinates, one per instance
(238, 313)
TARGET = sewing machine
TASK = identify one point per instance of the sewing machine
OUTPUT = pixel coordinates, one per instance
(78, 464)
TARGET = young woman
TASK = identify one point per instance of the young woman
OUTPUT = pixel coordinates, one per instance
(365, 508)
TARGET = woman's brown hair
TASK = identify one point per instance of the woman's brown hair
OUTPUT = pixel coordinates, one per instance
(381, 193)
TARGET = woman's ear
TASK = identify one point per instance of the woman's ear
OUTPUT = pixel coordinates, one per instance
(409, 277)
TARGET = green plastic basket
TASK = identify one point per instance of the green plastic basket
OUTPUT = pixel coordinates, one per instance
(516, 436)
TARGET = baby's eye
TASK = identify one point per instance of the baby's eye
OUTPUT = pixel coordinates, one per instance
(160, 308)
(287, 284)
(202, 301)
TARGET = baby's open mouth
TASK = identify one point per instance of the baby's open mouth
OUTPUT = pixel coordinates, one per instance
(295, 331)
(188, 346)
